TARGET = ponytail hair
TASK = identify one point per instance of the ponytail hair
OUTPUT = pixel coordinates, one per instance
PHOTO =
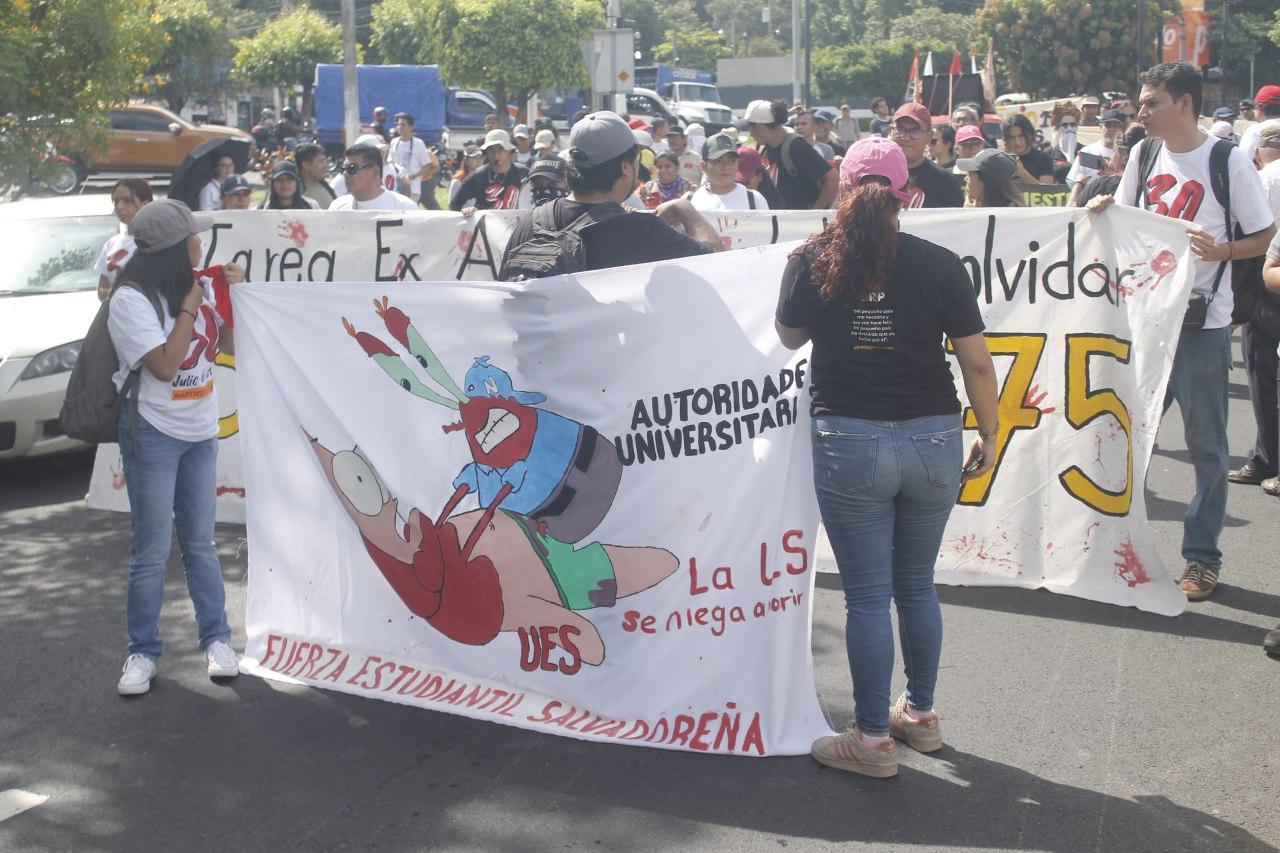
(855, 254)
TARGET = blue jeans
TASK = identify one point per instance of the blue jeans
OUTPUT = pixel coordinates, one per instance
(169, 479)
(1198, 384)
(886, 489)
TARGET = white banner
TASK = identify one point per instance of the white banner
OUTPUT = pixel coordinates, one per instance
(1074, 304)
(583, 507)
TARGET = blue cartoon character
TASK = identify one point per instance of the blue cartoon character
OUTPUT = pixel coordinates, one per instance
(562, 474)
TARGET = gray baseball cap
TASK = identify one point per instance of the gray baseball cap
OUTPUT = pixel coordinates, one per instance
(988, 161)
(599, 138)
(166, 222)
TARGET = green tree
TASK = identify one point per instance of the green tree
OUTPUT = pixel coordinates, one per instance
(286, 51)
(62, 66)
(513, 48)
(412, 32)
(696, 48)
(1045, 52)
(190, 38)
(867, 70)
(930, 26)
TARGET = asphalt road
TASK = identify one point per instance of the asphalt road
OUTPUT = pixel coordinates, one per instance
(1070, 725)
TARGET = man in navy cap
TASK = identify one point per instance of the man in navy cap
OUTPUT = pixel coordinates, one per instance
(603, 170)
(236, 193)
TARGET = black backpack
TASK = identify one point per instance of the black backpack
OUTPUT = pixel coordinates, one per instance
(1252, 302)
(91, 409)
(555, 251)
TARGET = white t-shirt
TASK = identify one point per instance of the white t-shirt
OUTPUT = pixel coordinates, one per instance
(736, 199)
(387, 201)
(185, 408)
(524, 158)
(1179, 187)
(115, 253)
(1078, 170)
(389, 178)
(211, 196)
(1249, 139)
(1270, 176)
(411, 157)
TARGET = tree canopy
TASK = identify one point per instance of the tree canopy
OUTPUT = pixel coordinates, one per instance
(286, 51)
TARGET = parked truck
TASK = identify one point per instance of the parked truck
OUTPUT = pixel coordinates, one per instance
(442, 115)
(690, 92)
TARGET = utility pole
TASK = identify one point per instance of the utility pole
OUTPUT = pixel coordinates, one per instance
(808, 15)
(1142, 41)
(350, 96)
(797, 56)
(1222, 60)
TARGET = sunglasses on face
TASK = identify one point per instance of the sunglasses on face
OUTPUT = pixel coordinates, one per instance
(353, 169)
(908, 132)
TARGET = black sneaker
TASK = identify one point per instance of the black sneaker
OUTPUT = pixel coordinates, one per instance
(1271, 644)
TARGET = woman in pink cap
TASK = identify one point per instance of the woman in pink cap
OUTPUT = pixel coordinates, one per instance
(888, 456)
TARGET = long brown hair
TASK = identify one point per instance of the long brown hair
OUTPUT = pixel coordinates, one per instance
(855, 254)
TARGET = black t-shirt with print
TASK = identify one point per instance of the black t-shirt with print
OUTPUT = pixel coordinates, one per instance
(1037, 163)
(638, 237)
(485, 189)
(801, 191)
(940, 189)
(884, 358)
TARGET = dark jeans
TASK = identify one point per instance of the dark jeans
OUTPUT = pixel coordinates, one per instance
(1260, 362)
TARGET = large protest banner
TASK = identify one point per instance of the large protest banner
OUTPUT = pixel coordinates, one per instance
(1074, 303)
(583, 507)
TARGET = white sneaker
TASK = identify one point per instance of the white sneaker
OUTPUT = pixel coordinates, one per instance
(138, 672)
(222, 660)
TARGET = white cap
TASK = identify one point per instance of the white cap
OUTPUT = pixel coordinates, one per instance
(1222, 130)
(759, 112)
(372, 139)
(643, 138)
(544, 137)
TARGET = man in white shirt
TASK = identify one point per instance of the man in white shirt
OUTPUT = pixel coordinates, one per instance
(412, 157)
(362, 168)
(1087, 162)
(1178, 184)
(211, 195)
(661, 127)
(847, 126)
(1267, 108)
(522, 136)
(722, 190)
(690, 161)
(1269, 156)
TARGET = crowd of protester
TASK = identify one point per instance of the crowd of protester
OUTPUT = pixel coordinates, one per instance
(633, 190)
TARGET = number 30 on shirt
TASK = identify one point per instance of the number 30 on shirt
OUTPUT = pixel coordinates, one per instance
(1083, 405)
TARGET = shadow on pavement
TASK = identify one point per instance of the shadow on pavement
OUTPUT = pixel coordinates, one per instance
(27, 483)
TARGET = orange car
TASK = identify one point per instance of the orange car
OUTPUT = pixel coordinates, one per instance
(149, 138)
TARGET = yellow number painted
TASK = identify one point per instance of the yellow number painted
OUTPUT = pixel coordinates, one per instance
(230, 425)
(1084, 406)
(1015, 412)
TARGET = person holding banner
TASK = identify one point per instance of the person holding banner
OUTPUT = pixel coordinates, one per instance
(166, 333)
(1173, 174)
(887, 436)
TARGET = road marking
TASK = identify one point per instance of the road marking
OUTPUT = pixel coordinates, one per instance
(14, 802)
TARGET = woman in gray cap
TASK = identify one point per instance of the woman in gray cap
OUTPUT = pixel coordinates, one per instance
(166, 333)
(989, 179)
(283, 191)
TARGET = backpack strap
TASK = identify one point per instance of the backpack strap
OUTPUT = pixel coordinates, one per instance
(1220, 181)
(1151, 148)
(751, 198)
(788, 162)
(593, 215)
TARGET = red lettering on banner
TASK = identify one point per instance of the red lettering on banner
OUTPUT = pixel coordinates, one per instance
(537, 642)
(364, 667)
(790, 546)
(704, 728)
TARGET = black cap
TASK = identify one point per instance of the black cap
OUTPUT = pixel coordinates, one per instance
(1112, 115)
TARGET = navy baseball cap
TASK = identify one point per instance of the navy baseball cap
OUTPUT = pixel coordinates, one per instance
(1224, 114)
(235, 184)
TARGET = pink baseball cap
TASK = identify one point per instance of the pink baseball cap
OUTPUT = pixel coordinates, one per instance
(968, 132)
(875, 156)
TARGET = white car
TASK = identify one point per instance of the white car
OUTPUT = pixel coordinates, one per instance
(48, 298)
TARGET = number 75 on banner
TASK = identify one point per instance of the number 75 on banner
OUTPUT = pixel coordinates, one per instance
(1084, 405)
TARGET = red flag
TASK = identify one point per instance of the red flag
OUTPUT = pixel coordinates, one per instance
(955, 64)
(914, 74)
